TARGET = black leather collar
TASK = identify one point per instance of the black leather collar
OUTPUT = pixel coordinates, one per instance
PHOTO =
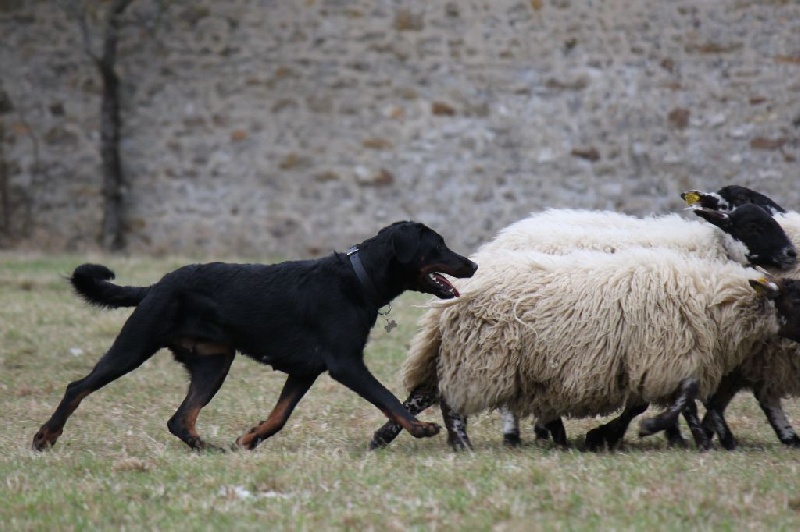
(363, 277)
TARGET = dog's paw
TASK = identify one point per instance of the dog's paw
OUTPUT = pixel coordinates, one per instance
(44, 439)
(424, 430)
(247, 442)
(39, 442)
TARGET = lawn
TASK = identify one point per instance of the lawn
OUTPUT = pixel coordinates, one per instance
(117, 466)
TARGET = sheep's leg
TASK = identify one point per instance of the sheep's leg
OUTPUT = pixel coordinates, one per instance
(693, 420)
(511, 436)
(777, 419)
(686, 394)
(456, 425)
(674, 436)
(612, 432)
(771, 406)
(714, 420)
(541, 432)
(419, 399)
(557, 431)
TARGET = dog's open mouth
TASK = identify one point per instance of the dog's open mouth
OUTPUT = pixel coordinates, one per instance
(438, 285)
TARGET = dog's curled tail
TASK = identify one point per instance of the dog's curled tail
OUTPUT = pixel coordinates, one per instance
(91, 282)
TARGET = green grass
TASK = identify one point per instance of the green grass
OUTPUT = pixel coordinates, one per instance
(117, 467)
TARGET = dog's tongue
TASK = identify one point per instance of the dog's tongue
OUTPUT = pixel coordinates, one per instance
(443, 280)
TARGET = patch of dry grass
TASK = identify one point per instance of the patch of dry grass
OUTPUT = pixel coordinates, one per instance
(117, 466)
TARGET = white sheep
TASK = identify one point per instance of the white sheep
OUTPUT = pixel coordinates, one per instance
(587, 333)
(564, 230)
(774, 371)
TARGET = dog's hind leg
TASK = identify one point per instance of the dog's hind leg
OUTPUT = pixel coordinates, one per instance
(356, 376)
(129, 351)
(294, 389)
(208, 365)
(419, 400)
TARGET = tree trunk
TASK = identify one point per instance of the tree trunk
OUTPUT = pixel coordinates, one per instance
(5, 201)
(111, 123)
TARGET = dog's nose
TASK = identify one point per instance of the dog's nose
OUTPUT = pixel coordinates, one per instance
(473, 266)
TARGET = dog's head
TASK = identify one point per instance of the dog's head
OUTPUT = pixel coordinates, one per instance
(422, 259)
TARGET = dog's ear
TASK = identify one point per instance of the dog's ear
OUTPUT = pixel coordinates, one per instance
(405, 242)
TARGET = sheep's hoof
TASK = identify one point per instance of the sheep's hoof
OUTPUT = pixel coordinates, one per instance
(675, 439)
(595, 440)
(709, 428)
(728, 442)
(512, 439)
(648, 427)
(704, 446)
(794, 441)
(385, 435)
(376, 443)
(679, 442)
(541, 432)
(460, 443)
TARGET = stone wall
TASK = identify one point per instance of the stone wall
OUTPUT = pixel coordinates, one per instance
(291, 128)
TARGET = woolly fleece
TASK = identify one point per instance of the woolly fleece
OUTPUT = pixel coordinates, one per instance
(559, 231)
(584, 333)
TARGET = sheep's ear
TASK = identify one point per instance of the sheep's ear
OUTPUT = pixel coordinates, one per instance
(720, 219)
(765, 287)
(691, 197)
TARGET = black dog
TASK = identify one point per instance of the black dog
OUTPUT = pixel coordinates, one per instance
(302, 318)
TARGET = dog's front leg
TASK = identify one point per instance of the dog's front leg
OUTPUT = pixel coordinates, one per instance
(356, 376)
(294, 389)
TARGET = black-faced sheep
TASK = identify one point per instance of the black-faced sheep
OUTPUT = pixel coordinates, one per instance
(561, 231)
(587, 333)
(771, 374)
(774, 372)
(748, 235)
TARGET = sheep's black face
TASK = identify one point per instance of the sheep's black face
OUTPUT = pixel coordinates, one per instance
(729, 197)
(423, 252)
(736, 196)
(787, 304)
(766, 242)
